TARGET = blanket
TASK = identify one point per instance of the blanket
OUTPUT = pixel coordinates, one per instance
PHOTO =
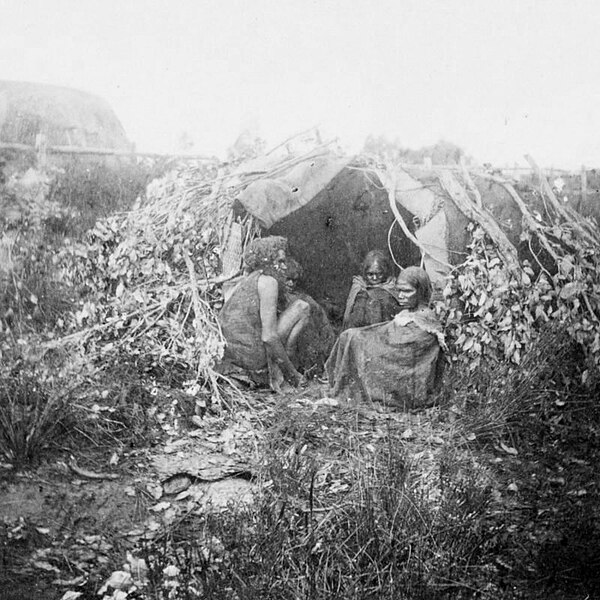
(398, 363)
(367, 305)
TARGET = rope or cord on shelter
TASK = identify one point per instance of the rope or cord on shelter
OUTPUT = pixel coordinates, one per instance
(389, 243)
(388, 180)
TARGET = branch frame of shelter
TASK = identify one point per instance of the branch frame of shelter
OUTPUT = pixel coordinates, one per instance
(139, 299)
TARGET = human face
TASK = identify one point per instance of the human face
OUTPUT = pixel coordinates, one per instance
(278, 266)
(375, 273)
(407, 295)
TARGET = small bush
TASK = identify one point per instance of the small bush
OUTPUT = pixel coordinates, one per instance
(497, 395)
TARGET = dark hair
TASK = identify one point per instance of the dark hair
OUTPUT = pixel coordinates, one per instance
(379, 257)
(294, 269)
(263, 251)
(419, 279)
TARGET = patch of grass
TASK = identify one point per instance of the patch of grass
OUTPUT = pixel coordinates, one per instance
(29, 416)
(338, 517)
(495, 396)
(92, 189)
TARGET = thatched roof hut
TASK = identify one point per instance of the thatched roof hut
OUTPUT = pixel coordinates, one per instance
(67, 117)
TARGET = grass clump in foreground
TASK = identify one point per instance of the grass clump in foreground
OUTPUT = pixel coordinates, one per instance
(30, 414)
(339, 515)
(351, 507)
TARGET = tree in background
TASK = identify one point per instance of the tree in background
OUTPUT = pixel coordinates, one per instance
(441, 153)
(247, 146)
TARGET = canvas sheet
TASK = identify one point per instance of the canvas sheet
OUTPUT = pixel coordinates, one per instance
(398, 363)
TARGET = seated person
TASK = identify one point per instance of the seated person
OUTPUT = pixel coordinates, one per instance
(372, 298)
(316, 339)
(260, 328)
(398, 362)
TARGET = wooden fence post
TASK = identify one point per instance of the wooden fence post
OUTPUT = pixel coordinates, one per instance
(583, 185)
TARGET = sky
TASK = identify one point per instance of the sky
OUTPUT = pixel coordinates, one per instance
(499, 78)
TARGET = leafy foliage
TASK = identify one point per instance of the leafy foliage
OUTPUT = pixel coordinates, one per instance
(33, 297)
(495, 315)
(150, 278)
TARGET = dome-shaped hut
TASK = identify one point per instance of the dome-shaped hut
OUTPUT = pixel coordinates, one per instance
(66, 117)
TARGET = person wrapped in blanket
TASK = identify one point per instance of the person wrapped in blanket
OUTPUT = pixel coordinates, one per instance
(372, 298)
(398, 363)
(259, 324)
(315, 341)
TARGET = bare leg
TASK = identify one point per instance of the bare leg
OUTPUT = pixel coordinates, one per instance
(276, 378)
(291, 322)
(291, 345)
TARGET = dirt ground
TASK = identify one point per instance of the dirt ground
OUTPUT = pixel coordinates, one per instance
(64, 529)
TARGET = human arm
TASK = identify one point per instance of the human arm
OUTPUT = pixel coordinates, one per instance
(268, 290)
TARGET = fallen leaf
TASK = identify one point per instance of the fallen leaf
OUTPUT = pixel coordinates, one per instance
(160, 506)
(137, 567)
(327, 402)
(509, 449)
(571, 290)
(556, 480)
(118, 580)
(176, 484)
(135, 533)
(92, 539)
(71, 595)
(171, 571)
(155, 490)
(68, 582)
(407, 434)
(153, 525)
(45, 566)
(436, 439)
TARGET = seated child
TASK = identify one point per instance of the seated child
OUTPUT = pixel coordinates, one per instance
(372, 298)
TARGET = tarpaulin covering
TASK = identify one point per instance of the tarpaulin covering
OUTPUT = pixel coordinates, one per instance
(269, 200)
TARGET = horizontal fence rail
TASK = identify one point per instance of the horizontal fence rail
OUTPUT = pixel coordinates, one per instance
(41, 149)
